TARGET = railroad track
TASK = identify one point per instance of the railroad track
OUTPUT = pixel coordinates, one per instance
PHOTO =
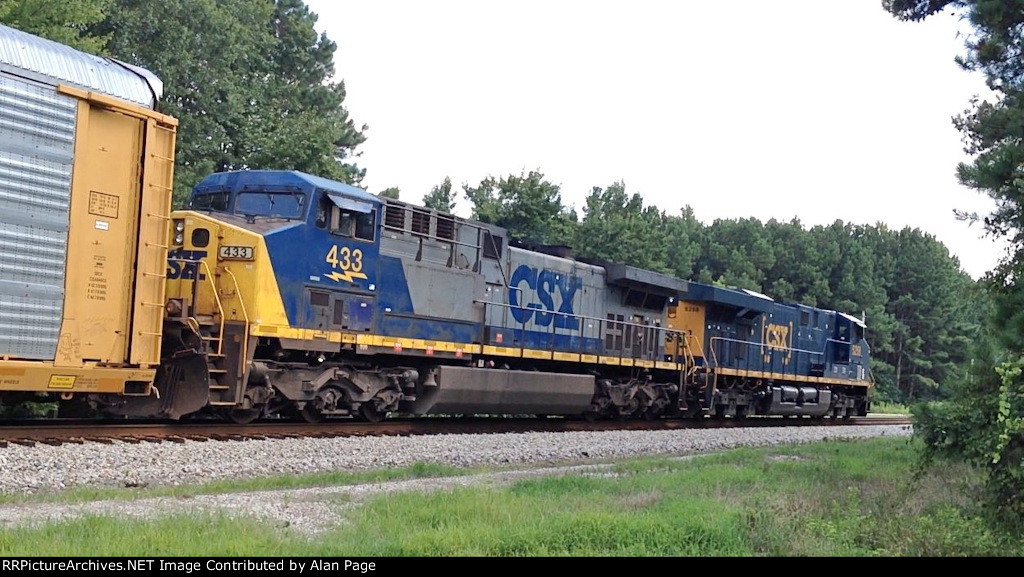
(80, 432)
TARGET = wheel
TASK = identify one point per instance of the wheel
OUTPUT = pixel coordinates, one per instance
(310, 414)
(650, 414)
(693, 410)
(241, 416)
(369, 413)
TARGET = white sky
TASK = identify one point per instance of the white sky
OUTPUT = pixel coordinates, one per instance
(814, 109)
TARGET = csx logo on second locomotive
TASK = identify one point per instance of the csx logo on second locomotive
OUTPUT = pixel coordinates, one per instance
(546, 283)
(179, 267)
(777, 337)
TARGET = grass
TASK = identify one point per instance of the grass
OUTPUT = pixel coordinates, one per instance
(851, 498)
(886, 408)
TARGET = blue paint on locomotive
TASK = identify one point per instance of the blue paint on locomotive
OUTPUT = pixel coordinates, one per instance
(399, 317)
(542, 340)
(305, 255)
(748, 331)
(430, 329)
(393, 294)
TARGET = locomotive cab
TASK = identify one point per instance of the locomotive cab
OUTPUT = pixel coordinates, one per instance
(272, 264)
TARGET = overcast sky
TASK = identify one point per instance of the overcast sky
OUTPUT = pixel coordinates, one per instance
(819, 110)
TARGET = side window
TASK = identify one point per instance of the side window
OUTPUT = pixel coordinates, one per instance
(364, 224)
(358, 224)
(323, 211)
(343, 222)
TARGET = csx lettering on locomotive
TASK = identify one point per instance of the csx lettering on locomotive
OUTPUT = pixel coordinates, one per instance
(777, 337)
(544, 283)
(182, 264)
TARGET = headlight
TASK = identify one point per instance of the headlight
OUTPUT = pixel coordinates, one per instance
(179, 232)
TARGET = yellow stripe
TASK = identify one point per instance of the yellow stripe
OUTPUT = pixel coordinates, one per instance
(502, 351)
(371, 340)
(43, 376)
(785, 377)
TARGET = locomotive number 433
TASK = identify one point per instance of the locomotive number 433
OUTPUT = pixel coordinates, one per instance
(348, 260)
(345, 258)
(235, 252)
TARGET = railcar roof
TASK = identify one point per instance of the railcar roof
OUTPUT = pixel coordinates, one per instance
(53, 63)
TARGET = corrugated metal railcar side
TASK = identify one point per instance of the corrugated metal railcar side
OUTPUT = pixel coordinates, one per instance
(86, 168)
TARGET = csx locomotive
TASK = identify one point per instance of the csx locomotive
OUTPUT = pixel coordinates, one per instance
(282, 294)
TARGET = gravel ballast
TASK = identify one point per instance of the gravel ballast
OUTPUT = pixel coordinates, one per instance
(26, 470)
(31, 469)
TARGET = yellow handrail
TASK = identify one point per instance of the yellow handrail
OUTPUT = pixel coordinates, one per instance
(216, 297)
(220, 308)
(245, 316)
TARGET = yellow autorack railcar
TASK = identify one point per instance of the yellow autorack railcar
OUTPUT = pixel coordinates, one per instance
(86, 168)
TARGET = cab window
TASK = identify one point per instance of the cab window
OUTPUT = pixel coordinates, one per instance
(210, 201)
(345, 217)
(270, 203)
